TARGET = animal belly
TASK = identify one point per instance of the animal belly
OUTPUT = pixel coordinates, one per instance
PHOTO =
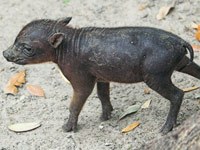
(120, 76)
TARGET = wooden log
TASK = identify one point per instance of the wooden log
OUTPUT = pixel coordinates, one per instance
(184, 137)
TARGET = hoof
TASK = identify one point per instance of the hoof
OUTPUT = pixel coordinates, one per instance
(106, 115)
(69, 127)
(167, 128)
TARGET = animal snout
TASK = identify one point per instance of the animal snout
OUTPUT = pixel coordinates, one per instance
(6, 54)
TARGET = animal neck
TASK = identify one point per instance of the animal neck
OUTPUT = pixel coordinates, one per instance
(64, 51)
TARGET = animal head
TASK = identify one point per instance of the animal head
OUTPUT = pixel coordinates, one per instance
(37, 42)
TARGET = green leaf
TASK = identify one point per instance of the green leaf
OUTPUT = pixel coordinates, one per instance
(130, 110)
(66, 1)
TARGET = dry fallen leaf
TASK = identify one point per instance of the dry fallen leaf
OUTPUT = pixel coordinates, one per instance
(197, 27)
(11, 89)
(131, 127)
(130, 110)
(164, 11)
(147, 90)
(197, 35)
(142, 6)
(15, 81)
(18, 79)
(22, 127)
(191, 89)
(146, 104)
(35, 90)
(196, 48)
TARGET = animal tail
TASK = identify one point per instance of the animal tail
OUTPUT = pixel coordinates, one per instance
(191, 51)
(188, 47)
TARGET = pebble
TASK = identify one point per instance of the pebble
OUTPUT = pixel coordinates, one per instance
(101, 126)
(108, 144)
(197, 96)
(22, 97)
(144, 15)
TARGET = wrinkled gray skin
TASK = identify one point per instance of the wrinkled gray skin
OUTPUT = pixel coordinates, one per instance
(101, 55)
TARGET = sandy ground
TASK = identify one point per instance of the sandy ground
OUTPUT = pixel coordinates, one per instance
(53, 110)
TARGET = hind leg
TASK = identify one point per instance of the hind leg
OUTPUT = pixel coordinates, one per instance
(192, 69)
(164, 86)
(104, 96)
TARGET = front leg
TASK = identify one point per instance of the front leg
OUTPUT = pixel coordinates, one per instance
(103, 92)
(82, 88)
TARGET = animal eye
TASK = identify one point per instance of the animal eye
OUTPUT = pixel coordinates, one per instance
(27, 50)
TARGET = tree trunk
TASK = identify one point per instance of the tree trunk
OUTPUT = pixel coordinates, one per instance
(184, 137)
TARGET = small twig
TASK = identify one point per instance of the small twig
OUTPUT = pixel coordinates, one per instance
(190, 89)
(74, 142)
(1, 70)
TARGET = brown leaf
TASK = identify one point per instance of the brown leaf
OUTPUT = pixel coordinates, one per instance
(147, 91)
(18, 79)
(197, 35)
(11, 89)
(164, 11)
(15, 81)
(191, 89)
(197, 27)
(35, 90)
(131, 127)
(196, 48)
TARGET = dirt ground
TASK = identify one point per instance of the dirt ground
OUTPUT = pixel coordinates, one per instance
(53, 110)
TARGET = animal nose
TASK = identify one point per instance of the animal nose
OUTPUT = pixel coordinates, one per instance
(6, 55)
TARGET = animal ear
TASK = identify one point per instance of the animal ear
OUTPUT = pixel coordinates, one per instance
(65, 20)
(56, 39)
